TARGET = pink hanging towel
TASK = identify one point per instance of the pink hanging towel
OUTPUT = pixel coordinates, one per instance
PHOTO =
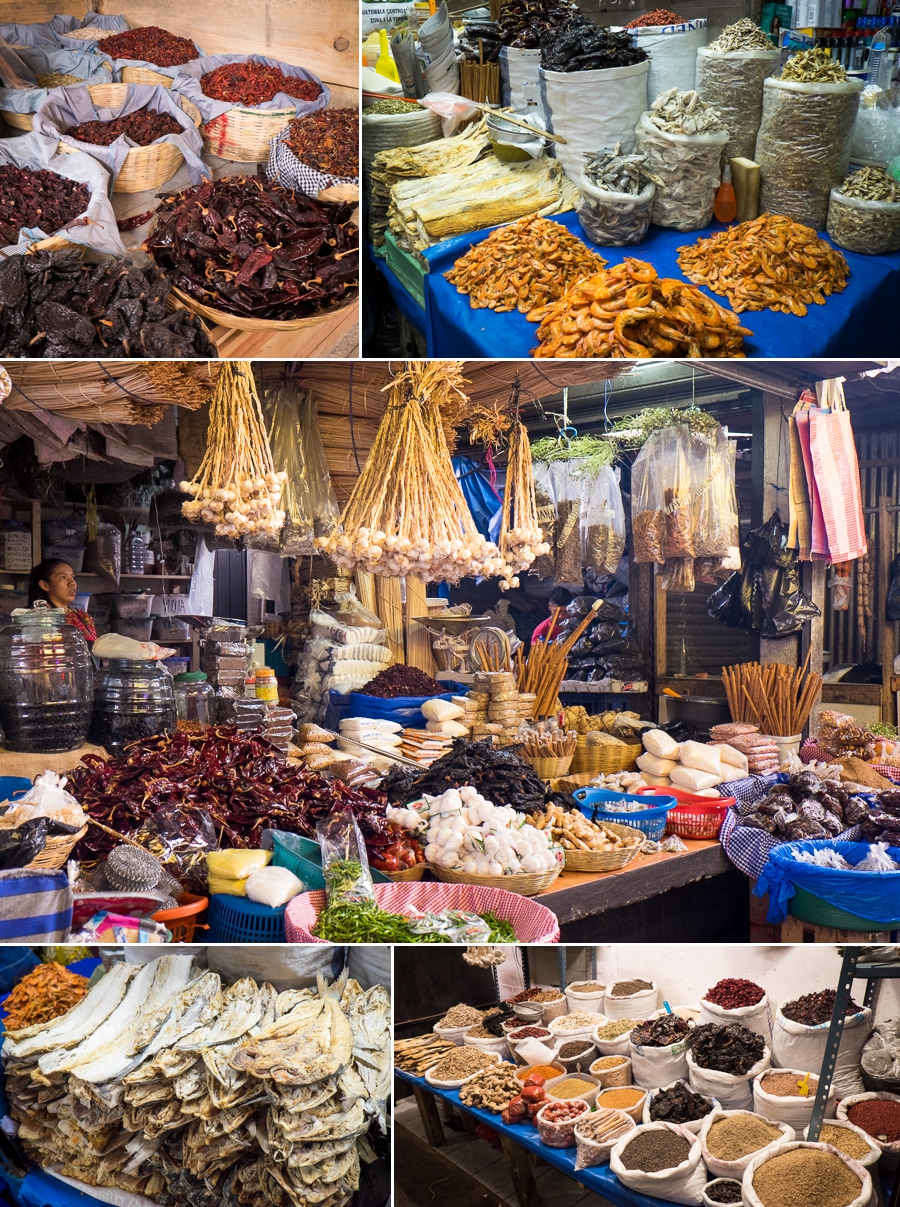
(819, 539)
(836, 468)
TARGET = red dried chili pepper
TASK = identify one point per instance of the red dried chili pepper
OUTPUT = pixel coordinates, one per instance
(150, 44)
(327, 140)
(38, 198)
(252, 83)
(143, 127)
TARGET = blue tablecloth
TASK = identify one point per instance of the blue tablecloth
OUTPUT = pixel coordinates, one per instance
(406, 303)
(860, 322)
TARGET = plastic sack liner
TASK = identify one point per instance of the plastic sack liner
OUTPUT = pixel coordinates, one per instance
(845, 1105)
(683, 1184)
(733, 1090)
(732, 82)
(519, 76)
(601, 520)
(689, 165)
(46, 33)
(38, 152)
(68, 107)
(695, 1126)
(871, 895)
(86, 63)
(654, 1067)
(876, 135)
(187, 81)
(735, 1169)
(754, 1018)
(803, 146)
(869, 227)
(790, 1109)
(673, 53)
(752, 1199)
(797, 1045)
(593, 109)
(614, 219)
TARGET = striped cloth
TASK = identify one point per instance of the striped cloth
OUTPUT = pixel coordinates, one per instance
(837, 476)
(35, 906)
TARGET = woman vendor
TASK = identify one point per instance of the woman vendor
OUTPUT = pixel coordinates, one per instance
(53, 580)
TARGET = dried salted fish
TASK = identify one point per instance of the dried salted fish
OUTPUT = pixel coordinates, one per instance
(617, 173)
(864, 213)
(676, 112)
(814, 66)
(742, 35)
(80, 1022)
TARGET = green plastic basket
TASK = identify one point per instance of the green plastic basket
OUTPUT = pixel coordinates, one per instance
(307, 862)
(809, 908)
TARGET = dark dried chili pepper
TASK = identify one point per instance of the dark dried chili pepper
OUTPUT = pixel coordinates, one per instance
(253, 83)
(143, 127)
(131, 224)
(38, 198)
(150, 44)
(327, 140)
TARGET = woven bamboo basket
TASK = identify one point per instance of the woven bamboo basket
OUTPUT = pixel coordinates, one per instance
(244, 134)
(56, 851)
(527, 884)
(144, 75)
(603, 759)
(568, 783)
(239, 323)
(20, 121)
(550, 768)
(606, 861)
(415, 873)
(144, 167)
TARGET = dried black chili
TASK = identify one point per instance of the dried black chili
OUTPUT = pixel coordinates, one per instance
(38, 198)
(256, 249)
(578, 45)
(142, 127)
(252, 83)
(327, 140)
(150, 44)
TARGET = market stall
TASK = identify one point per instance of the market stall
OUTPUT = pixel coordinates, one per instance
(124, 128)
(549, 158)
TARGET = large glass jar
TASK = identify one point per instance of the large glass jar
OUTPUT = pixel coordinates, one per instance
(45, 683)
(195, 702)
(132, 700)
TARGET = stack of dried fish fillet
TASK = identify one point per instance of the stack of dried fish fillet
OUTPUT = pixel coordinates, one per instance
(165, 1082)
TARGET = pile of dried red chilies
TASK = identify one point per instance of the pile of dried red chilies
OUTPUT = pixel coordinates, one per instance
(143, 127)
(252, 83)
(39, 199)
(327, 141)
(254, 248)
(150, 44)
(242, 781)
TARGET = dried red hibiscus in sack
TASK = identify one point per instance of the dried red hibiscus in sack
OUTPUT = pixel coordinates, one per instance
(39, 198)
(327, 141)
(143, 127)
(255, 249)
(150, 44)
(255, 83)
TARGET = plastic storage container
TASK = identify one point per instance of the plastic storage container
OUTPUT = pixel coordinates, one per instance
(132, 700)
(135, 559)
(139, 630)
(240, 920)
(64, 553)
(134, 607)
(45, 683)
(195, 701)
(170, 628)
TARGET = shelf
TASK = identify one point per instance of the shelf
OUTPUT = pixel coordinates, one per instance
(167, 578)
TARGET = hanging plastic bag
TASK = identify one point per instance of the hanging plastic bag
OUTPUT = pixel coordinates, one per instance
(689, 166)
(323, 501)
(601, 521)
(565, 491)
(181, 837)
(345, 864)
(103, 553)
(282, 404)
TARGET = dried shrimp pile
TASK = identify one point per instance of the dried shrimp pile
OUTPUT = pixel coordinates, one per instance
(630, 312)
(813, 67)
(524, 265)
(743, 35)
(44, 993)
(771, 263)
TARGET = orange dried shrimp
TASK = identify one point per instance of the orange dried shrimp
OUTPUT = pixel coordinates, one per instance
(770, 263)
(42, 994)
(630, 312)
(526, 264)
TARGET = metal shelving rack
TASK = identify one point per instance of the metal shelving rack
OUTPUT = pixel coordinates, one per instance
(853, 968)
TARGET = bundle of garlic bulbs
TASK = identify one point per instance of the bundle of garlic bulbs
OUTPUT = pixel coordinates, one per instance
(236, 487)
(521, 539)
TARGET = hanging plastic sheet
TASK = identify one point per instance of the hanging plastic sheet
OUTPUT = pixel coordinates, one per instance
(836, 469)
(485, 503)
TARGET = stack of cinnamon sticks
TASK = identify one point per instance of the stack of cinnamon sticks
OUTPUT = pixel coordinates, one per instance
(775, 697)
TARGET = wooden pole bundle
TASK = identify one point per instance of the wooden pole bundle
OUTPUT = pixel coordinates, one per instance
(480, 81)
(775, 697)
(545, 667)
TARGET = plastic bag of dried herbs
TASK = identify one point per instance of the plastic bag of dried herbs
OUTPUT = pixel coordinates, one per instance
(601, 521)
(661, 512)
(345, 864)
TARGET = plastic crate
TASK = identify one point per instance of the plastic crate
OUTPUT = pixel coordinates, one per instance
(240, 920)
(409, 271)
(307, 862)
(599, 805)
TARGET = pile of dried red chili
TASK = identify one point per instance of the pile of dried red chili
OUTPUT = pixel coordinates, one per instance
(150, 44)
(327, 141)
(732, 993)
(242, 781)
(143, 127)
(659, 16)
(254, 248)
(253, 83)
(37, 198)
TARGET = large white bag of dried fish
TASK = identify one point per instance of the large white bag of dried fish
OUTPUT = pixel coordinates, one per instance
(592, 109)
(519, 77)
(803, 146)
(673, 53)
(682, 138)
(732, 82)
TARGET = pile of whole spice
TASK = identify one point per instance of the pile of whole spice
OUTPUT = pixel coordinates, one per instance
(144, 127)
(879, 1117)
(656, 17)
(724, 1190)
(391, 106)
(39, 198)
(53, 304)
(814, 66)
(327, 140)
(481, 1032)
(787, 1085)
(491, 1089)
(256, 249)
(679, 1104)
(579, 45)
(608, 1062)
(615, 1028)
(813, 1009)
(652, 1151)
(743, 35)
(251, 83)
(738, 1136)
(576, 1047)
(150, 44)
(732, 993)
(91, 33)
(44, 993)
(844, 1139)
(536, 995)
(573, 1087)
(461, 1016)
(529, 1033)
(728, 1049)
(661, 1032)
(577, 1020)
(628, 988)
(544, 1071)
(808, 1176)
(57, 79)
(401, 680)
(461, 1062)
(805, 807)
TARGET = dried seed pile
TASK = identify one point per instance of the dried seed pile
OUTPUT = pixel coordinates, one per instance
(328, 141)
(576, 1047)
(57, 79)
(879, 1117)
(734, 992)
(786, 1085)
(737, 1136)
(655, 1150)
(655, 18)
(150, 44)
(770, 263)
(743, 35)
(523, 266)
(44, 993)
(37, 198)
(813, 67)
(461, 1016)
(389, 106)
(573, 1087)
(844, 1139)
(807, 1176)
(91, 33)
(676, 112)
(461, 1062)
(143, 127)
(616, 1028)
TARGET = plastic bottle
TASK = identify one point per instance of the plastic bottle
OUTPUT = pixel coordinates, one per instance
(266, 685)
(879, 68)
(726, 205)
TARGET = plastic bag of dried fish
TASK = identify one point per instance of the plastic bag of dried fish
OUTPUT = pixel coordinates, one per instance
(617, 194)
(864, 213)
(803, 146)
(682, 138)
(732, 82)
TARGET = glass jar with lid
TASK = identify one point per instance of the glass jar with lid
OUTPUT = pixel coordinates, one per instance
(195, 702)
(45, 682)
(132, 700)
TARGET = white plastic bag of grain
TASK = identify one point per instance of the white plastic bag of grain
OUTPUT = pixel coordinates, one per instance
(754, 1018)
(733, 1090)
(736, 1168)
(701, 757)
(358, 725)
(653, 1067)
(654, 765)
(683, 1184)
(732, 758)
(658, 742)
(694, 781)
(441, 710)
(695, 1126)
(454, 729)
(795, 1045)
(638, 1005)
(273, 886)
(846, 1104)
(792, 1109)
(752, 1199)
(673, 53)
